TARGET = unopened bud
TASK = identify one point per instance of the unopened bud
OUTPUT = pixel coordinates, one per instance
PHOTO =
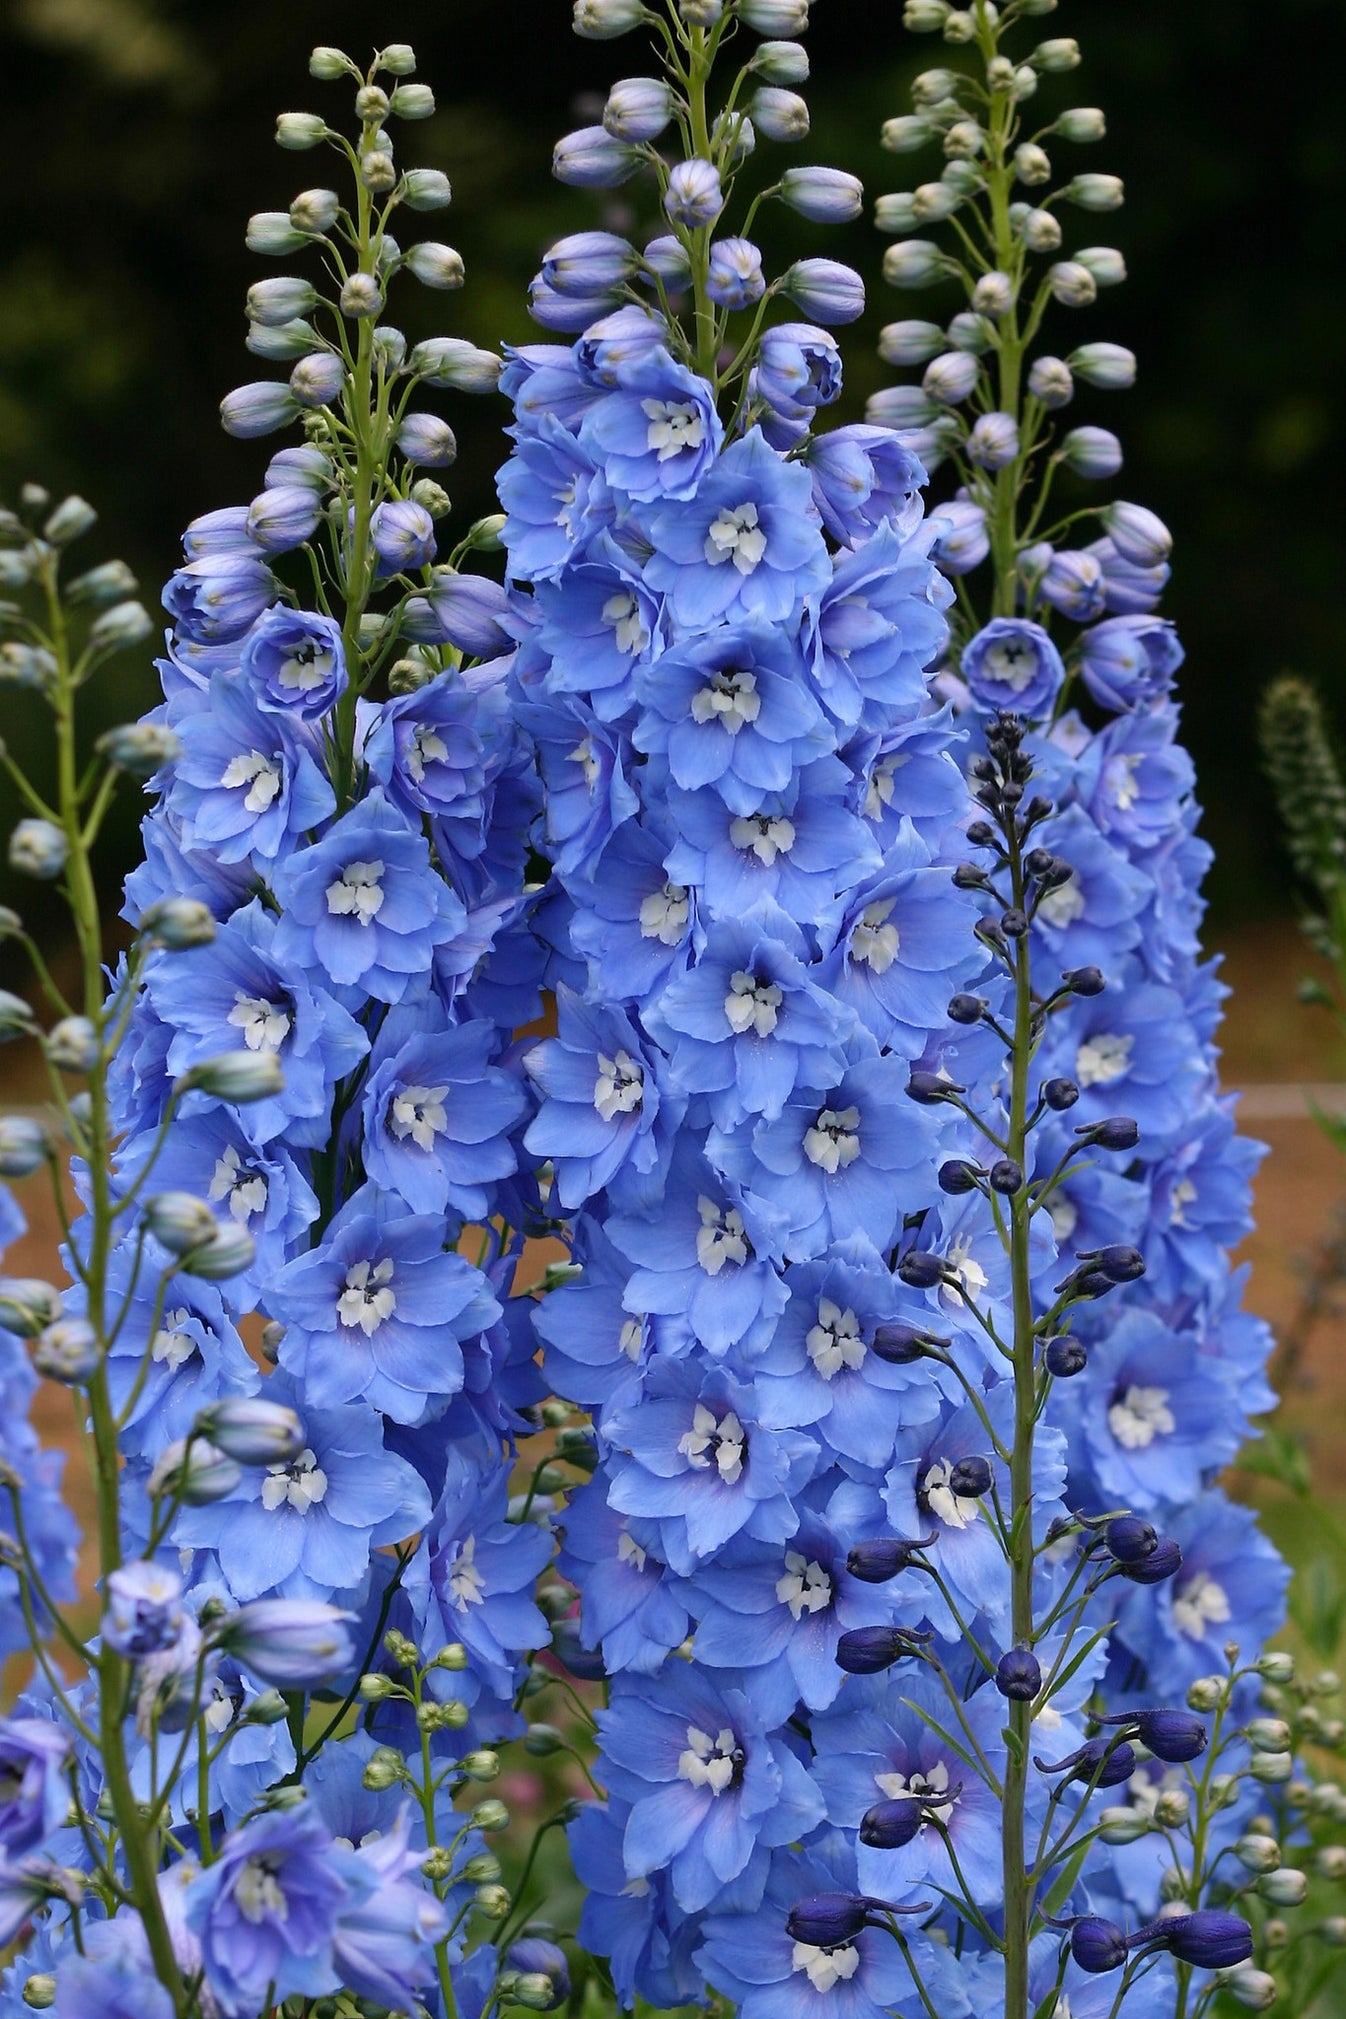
(298, 131)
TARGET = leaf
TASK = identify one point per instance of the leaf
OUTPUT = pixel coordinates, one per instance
(1319, 1605)
(1280, 1456)
(1064, 1884)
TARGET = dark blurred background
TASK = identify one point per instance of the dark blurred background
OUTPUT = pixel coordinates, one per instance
(139, 137)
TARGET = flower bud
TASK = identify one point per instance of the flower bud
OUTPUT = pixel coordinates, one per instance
(329, 64)
(194, 1472)
(896, 213)
(412, 101)
(398, 58)
(993, 295)
(910, 343)
(72, 518)
(1257, 1989)
(1055, 56)
(1095, 192)
(273, 302)
(257, 409)
(1105, 264)
(1268, 1735)
(435, 265)
(868, 1650)
(907, 134)
(1081, 124)
(1272, 1769)
(1032, 166)
(1284, 1887)
(16, 1019)
(144, 1609)
(829, 1920)
(877, 1561)
(383, 1770)
(29, 666)
(297, 131)
(951, 378)
(825, 290)
(426, 440)
(251, 1430)
(39, 1990)
(1050, 381)
(779, 114)
(1126, 1825)
(1018, 1675)
(67, 1351)
(73, 1045)
(425, 189)
(825, 195)
(891, 1824)
(1130, 1539)
(781, 63)
(24, 1146)
(38, 848)
(494, 1903)
(1110, 366)
(483, 1765)
(916, 263)
(1096, 1945)
(1094, 453)
(994, 442)
(229, 1252)
(179, 1221)
(591, 158)
(1137, 533)
(453, 362)
(775, 17)
(314, 211)
(1041, 232)
(1065, 1356)
(291, 1642)
(604, 20)
(108, 583)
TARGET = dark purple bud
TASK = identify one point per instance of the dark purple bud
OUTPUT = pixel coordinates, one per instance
(958, 1176)
(1084, 980)
(876, 1561)
(1037, 809)
(1172, 1736)
(585, 1663)
(1118, 1132)
(967, 876)
(1019, 1675)
(1210, 1939)
(981, 767)
(931, 1088)
(900, 1344)
(829, 1920)
(981, 834)
(1122, 1264)
(920, 1270)
(1011, 794)
(1060, 1094)
(1130, 1539)
(1164, 1561)
(1088, 1283)
(1039, 862)
(1105, 1762)
(1006, 1177)
(970, 1478)
(868, 1650)
(1097, 1945)
(967, 1009)
(889, 1825)
(1014, 922)
(1063, 1356)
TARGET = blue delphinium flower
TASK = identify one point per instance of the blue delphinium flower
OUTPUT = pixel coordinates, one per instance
(247, 783)
(266, 1911)
(437, 1113)
(296, 661)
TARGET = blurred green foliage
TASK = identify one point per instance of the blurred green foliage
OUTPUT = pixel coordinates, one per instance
(138, 139)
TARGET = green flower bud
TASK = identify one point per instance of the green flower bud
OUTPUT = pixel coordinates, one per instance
(923, 17)
(1326, 1683)
(438, 1863)
(298, 131)
(1032, 165)
(435, 265)
(483, 1765)
(1104, 262)
(1271, 1768)
(110, 582)
(270, 1708)
(39, 1991)
(435, 499)
(908, 133)
(328, 64)
(16, 1019)
(1333, 1931)
(138, 748)
(28, 1305)
(377, 172)
(371, 104)
(383, 1772)
(229, 1251)
(1095, 192)
(124, 624)
(494, 1902)
(1268, 1735)
(482, 1869)
(273, 1337)
(1257, 1853)
(1330, 1862)
(271, 232)
(426, 189)
(235, 1077)
(534, 1990)
(399, 59)
(315, 211)
(1172, 1808)
(72, 518)
(490, 1815)
(193, 1471)
(539, 1741)
(73, 1045)
(1063, 53)
(27, 666)
(1041, 231)
(375, 1687)
(1082, 124)
(67, 1351)
(483, 536)
(413, 101)
(1123, 1825)
(1276, 1934)
(1254, 1988)
(1284, 1887)
(178, 923)
(451, 1656)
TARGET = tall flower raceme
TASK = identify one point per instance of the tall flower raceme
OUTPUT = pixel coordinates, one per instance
(294, 1101)
(902, 1544)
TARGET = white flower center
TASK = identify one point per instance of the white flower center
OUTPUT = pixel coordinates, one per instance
(467, 1586)
(953, 1509)
(721, 1238)
(173, 1345)
(1201, 1603)
(1062, 906)
(1123, 783)
(418, 1112)
(1012, 662)
(1063, 1216)
(367, 1298)
(1183, 1195)
(675, 425)
(306, 669)
(566, 498)
(265, 1025)
(835, 1342)
(257, 1893)
(752, 1005)
(734, 535)
(583, 755)
(874, 940)
(880, 791)
(972, 1278)
(621, 613)
(1139, 1416)
(834, 1140)
(619, 1088)
(629, 1550)
(722, 1443)
(664, 914)
(631, 1338)
(260, 774)
(357, 892)
(1102, 1059)
(825, 1967)
(710, 1762)
(301, 1484)
(245, 1190)
(731, 699)
(921, 1787)
(805, 1586)
(767, 835)
(427, 747)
